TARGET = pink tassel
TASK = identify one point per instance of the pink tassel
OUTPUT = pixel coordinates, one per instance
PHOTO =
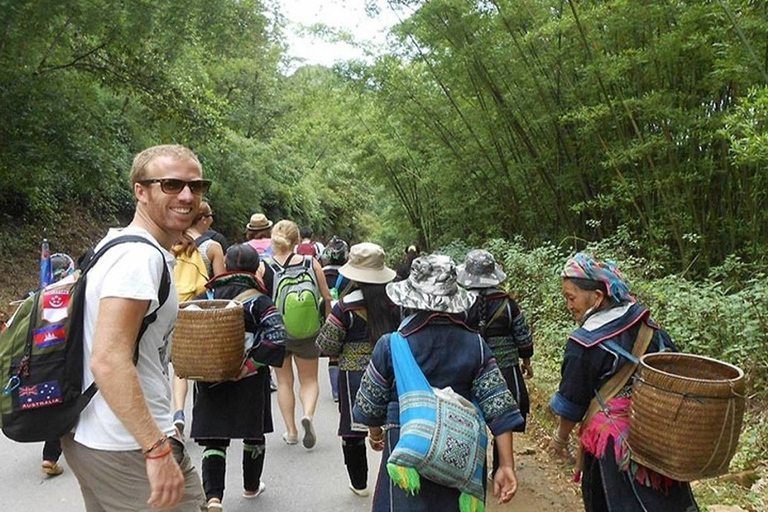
(614, 424)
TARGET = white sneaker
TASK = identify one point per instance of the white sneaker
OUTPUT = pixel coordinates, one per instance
(363, 493)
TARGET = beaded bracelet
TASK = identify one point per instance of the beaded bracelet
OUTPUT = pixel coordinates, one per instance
(155, 446)
(376, 440)
(159, 455)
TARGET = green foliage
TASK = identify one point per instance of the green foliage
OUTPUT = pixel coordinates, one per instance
(574, 120)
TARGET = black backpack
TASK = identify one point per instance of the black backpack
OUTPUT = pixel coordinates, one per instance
(41, 355)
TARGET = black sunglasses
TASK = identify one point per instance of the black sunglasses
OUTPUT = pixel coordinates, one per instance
(173, 186)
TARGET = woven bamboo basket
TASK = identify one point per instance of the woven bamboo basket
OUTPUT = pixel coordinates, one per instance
(208, 343)
(686, 415)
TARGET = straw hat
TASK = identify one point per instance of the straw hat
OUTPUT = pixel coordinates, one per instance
(431, 286)
(258, 222)
(366, 265)
(480, 270)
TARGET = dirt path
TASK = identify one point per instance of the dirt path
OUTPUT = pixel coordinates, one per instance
(544, 484)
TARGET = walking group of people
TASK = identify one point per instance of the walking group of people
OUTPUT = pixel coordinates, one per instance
(456, 324)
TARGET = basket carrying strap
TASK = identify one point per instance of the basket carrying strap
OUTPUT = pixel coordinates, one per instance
(616, 383)
(250, 293)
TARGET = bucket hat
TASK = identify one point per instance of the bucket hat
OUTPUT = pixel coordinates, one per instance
(258, 222)
(431, 286)
(366, 265)
(480, 270)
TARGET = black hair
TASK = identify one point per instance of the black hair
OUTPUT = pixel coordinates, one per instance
(589, 285)
(404, 268)
(242, 257)
(482, 310)
(306, 232)
(382, 314)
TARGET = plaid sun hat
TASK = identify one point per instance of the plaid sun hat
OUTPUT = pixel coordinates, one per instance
(431, 286)
(480, 270)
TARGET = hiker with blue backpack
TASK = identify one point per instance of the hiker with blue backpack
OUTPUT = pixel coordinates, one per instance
(427, 394)
(124, 449)
(241, 408)
(358, 319)
(298, 288)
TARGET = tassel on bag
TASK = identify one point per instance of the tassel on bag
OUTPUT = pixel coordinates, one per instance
(405, 478)
(469, 503)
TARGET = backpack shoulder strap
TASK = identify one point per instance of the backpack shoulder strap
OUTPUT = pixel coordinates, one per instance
(162, 297)
(165, 281)
(202, 238)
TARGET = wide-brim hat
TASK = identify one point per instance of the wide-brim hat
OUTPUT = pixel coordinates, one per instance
(480, 271)
(366, 265)
(431, 286)
(258, 222)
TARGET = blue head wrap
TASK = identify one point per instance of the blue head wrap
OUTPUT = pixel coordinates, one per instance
(584, 266)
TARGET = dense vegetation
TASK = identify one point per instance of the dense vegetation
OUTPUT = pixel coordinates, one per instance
(638, 128)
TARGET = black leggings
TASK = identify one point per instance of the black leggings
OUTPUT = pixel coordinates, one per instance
(215, 464)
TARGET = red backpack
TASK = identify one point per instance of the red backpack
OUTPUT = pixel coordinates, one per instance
(307, 249)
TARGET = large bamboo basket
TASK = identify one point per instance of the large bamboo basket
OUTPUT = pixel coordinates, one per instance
(208, 343)
(686, 415)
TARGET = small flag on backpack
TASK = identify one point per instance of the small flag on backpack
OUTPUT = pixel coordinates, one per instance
(46, 269)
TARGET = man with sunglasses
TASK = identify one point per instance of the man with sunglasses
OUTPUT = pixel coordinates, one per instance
(124, 450)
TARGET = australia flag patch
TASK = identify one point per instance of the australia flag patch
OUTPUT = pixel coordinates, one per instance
(50, 336)
(39, 395)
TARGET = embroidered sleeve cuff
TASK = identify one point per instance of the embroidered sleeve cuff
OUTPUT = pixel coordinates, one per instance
(566, 409)
(512, 421)
(525, 352)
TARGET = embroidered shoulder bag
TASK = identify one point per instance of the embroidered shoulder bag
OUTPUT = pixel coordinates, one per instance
(442, 434)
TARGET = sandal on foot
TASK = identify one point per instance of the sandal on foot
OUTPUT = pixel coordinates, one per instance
(51, 468)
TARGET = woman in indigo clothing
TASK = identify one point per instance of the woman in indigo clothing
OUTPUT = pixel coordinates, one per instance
(449, 354)
(357, 320)
(334, 256)
(599, 300)
(501, 323)
(239, 409)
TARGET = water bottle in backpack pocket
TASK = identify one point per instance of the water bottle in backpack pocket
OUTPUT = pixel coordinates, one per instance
(296, 296)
